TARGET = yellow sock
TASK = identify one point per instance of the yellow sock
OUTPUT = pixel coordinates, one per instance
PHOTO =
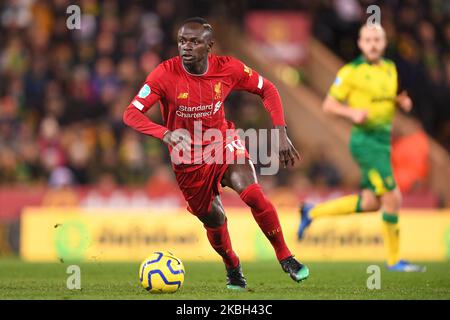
(391, 236)
(340, 206)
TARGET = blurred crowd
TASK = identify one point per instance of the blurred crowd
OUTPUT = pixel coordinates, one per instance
(63, 92)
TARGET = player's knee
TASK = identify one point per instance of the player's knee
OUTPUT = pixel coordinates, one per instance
(239, 177)
(212, 220)
(216, 217)
(392, 200)
(242, 184)
(373, 205)
(369, 201)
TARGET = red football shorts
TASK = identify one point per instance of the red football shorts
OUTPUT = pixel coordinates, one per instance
(201, 183)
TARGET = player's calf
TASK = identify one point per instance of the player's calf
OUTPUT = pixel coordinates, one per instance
(267, 218)
(219, 239)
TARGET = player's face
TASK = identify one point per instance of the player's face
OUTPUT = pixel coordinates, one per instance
(372, 42)
(193, 43)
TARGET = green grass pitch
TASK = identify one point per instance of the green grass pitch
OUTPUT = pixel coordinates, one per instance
(206, 280)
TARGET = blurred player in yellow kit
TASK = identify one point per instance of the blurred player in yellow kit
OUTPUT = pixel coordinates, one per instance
(365, 92)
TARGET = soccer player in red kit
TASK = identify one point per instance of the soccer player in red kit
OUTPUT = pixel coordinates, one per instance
(191, 89)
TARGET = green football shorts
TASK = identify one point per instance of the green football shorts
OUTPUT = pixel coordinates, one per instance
(371, 149)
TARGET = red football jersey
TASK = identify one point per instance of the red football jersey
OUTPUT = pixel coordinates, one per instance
(187, 98)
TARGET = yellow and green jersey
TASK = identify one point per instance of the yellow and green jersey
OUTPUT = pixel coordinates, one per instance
(373, 87)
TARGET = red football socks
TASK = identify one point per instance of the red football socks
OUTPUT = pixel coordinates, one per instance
(220, 241)
(267, 218)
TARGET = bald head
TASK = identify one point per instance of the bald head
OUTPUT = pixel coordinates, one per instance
(372, 42)
(372, 28)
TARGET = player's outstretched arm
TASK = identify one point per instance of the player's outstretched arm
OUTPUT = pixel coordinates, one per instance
(272, 102)
(150, 93)
(250, 81)
(137, 120)
(332, 106)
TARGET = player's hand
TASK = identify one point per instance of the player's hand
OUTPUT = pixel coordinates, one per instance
(287, 152)
(358, 116)
(178, 138)
(404, 101)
